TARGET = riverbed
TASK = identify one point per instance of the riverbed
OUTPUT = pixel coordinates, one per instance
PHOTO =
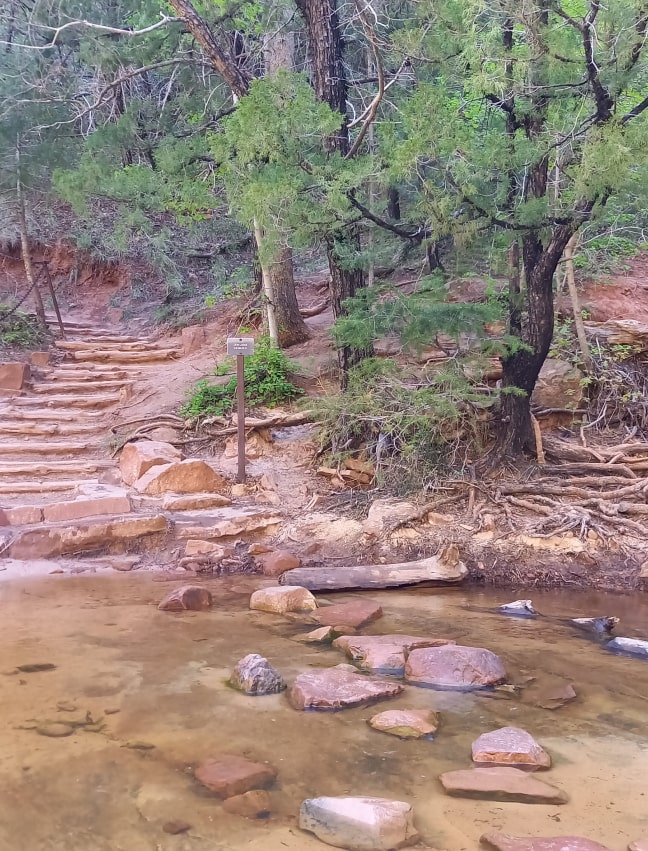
(162, 679)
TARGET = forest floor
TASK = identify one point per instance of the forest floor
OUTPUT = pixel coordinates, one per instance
(574, 521)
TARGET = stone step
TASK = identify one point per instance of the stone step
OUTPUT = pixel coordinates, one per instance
(49, 540)
(50, 429)
(98, 502)
(29, 568)
(121, 357)
(224, 523)
(98, 400)
(42, 486)
(134, 345)
(52, 447)
(25, 467)
(53, 415)
(74, 372)
(81, 386)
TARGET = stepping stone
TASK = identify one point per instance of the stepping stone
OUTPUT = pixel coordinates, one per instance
(634, 646)
(406, 723)
(519, 608)
(335, 689)
(506, 842)
(356, 614)
(193, 598)
(501, 784)
(359, 824)
(287, 598)
(600, 626)
(454, 666)
(253, 674)
(230, 775)
(384, 654)
(509, 746)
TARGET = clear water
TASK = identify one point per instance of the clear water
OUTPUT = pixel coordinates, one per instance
(166, 675)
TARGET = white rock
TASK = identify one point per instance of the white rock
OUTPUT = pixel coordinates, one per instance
(287, 598)
(629, 645)
(522, 608)
(359, 824)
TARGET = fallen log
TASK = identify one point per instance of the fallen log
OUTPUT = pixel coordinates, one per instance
(316, 309)
(445, 567)
(255, 424)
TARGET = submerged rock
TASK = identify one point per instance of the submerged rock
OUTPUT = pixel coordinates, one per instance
(406, 723)
(635, 646)
(288, 598)
(192, 598)
(553, 697)
(252, 804)
(510, 746)
(55, 730)
(355, 614)
(598, 625)
(253, 674)
(638, 845)
(519, 608)
(506, 842)
(176, 827)
(501, 784)
(334, 689)
(454, 666)
(230, 775)
(359, 824)
(384, 654)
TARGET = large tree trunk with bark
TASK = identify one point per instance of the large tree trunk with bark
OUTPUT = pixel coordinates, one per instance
(329, 82)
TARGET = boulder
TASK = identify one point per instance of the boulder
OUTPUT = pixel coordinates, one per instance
(194, 547)
(454, 666)
(192, 598)
(189, 476)
(501, 784)
(406, 723)
(39, 359)
(359, 824)
(335, 689)
(137, 458)
(519, 608)
(356, 614)
(192, 502)
(252, 804)
(277, 562)
(634, 646)
(559, 385)
(228, 522)
(14, 376)
(253, 674)
(230, 775)
(288, 598)
(599, 626)
(385, 514)
(506, 842)
(509, 746)
(383, 654)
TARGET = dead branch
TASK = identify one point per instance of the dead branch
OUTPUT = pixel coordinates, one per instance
(315, 310)
(253, 424)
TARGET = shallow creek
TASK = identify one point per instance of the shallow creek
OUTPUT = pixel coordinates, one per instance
(166, 675)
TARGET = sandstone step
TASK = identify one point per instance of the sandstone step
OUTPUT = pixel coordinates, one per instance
(120, 357)
(52, 447)
(29, 568)
(92, 400)
(81, 386)
(134, 345)
(103, 502)
(49, 429)
(52, 415)
(74, 372)
(41, 487)
(235, 520)
(48, 540)
(25, 467)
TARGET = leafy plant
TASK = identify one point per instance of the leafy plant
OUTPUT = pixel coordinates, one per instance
(18, 330)
(267, 382)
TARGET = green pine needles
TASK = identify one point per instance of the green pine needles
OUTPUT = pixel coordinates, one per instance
(267, 383)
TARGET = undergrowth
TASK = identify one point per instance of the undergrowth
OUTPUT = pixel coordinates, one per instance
(267, 382)
(411, 431)
(19, 330)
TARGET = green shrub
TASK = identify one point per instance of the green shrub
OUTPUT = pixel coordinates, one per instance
(18, 330)
(267, 382)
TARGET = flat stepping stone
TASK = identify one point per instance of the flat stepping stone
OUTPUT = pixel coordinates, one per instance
(359, 824)
(356, 614)
(506, 842)
(509, 746)
(334, 689)
(384, 654)
(288, 598)
(454, 666)
(228, 775)
(406, 723)
(633, 646)
(501, 784)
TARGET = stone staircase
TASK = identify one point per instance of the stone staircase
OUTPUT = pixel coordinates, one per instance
(61, 494)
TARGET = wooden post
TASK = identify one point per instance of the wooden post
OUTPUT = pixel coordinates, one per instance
(240, 415)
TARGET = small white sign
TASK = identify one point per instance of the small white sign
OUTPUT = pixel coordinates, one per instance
(240, 345)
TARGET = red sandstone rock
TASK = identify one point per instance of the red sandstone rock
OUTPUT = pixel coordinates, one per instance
(383, 653)
(192, 598)
(501, 784)
(14, 376)
(252, 804)
(505, 842)
(189, 476)
(355, 614)
(454, 666)
(509, 746)
(335, 689)
(112, 502)
(406, 723)
(275, 563)
(39, 358)
(137, 458)
(229, 775)
(195, 502)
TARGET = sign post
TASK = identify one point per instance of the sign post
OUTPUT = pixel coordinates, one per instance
(240, 347)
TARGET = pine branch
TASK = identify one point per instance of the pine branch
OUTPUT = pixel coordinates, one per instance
(89, 25)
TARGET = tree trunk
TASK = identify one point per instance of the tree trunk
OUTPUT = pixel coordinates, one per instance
(24, 243)
(576, 307)
(393, 204)
(266, 283)
(329, 82)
